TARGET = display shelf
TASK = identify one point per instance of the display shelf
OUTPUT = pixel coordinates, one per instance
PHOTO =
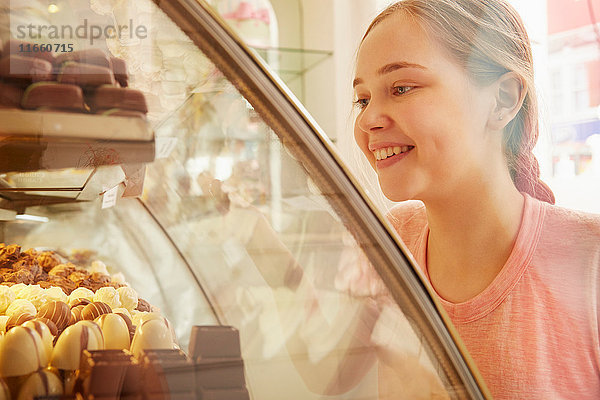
(31, 153)
(73, 125)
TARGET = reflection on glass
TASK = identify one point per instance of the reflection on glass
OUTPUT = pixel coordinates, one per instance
(277, 261)
(229, 212)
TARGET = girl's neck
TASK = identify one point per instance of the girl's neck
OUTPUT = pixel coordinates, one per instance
(471, 237)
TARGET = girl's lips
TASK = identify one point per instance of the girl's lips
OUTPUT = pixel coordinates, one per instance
(392, 159)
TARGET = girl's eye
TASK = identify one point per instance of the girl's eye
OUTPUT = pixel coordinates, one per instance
(397, 90)
(361, 103)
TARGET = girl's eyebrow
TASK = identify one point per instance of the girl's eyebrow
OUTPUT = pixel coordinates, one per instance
(386, 69)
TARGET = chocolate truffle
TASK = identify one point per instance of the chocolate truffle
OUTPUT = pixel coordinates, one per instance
(10, 95)
(143, 305)
(21, 352)
(58, 96)
(43, 330)
(85, 75)
(106, 97)
(152, 334)
(94, 310)
(20, 306)
(42, 383)
(87, 56)
(115, 331)
(67, 351)
(9, 255)
(56, 311)
(48, 260)
(120, 71)
(7, 296)
(18, 319)
(21, 69)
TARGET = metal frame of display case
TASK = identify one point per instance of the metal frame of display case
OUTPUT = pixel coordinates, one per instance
(302, 137)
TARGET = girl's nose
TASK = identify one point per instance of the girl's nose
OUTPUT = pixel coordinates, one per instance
(373, 118)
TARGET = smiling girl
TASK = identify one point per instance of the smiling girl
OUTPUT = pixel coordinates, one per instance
(448, 116)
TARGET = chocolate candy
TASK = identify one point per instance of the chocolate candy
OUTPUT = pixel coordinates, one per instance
(87, 56)
(41, 383)
(49, 323)
(18, 319)
(223, 394)
(85, 75)
(22, 352)
(143, 305)
(214, 342)
(120, 71)
(4, 391)
(80, 302)
(76, 313)
(115, 331)
(55, 95)
(168, 372)
(47, 260)
(109, 373)
(44, 331)
(10, 95)
(220, 373)
(56, 311)
(76, 338)
(107, 97)
(151, 334)
(9, 255)
(95, 309)
(62, 270)
(127, 320)
(21, 69)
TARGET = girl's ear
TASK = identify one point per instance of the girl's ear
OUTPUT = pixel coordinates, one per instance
(509, 92)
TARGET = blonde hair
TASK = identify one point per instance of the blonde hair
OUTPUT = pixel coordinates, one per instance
(488, 38)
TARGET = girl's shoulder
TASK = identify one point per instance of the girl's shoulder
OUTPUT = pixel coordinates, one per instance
(572, 232)
(572, 221)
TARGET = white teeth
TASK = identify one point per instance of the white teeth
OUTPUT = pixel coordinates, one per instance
(383, 153)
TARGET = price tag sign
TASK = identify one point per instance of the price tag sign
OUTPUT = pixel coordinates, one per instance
(164, 146)
(109, 198)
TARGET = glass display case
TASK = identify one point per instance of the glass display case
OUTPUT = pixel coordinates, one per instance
(223, 205)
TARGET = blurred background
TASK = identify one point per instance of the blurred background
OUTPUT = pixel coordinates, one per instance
(311, 45)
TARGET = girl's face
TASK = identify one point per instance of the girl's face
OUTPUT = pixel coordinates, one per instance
(422, 123)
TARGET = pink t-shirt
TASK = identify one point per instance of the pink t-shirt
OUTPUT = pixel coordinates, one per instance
(533, 332)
